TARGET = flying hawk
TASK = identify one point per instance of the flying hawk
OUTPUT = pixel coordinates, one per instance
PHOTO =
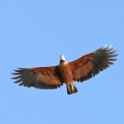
(78, 70)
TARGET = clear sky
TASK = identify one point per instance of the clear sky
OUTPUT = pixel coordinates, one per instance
(34, 33)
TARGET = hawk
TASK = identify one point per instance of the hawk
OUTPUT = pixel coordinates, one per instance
(78, 70)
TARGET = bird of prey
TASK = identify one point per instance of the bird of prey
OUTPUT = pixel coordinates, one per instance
(78, 70)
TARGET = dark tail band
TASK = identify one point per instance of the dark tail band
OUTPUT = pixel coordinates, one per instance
(71, 89)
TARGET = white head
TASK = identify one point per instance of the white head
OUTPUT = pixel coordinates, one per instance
(62, 58)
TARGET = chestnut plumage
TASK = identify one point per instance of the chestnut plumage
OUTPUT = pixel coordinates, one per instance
(79, 70)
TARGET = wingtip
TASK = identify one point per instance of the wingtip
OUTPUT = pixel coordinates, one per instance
(104, 46)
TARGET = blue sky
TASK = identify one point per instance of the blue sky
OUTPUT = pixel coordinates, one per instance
(35, 33)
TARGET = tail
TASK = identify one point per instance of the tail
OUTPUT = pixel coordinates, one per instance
(71, 88)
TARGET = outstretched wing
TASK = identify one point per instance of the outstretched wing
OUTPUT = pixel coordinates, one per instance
(91, 64)
(40, 77)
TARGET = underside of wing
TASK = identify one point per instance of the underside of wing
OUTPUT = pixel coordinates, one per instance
(40, 77)
(91, 64)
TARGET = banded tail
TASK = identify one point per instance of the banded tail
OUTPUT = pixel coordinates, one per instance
(71, 88)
